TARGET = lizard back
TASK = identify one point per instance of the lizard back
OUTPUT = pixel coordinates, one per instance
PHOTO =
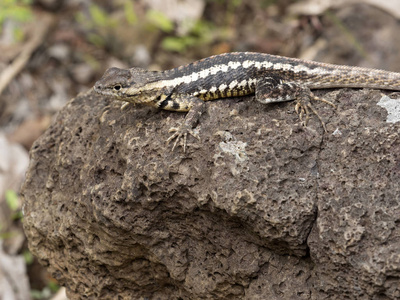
(236, 73)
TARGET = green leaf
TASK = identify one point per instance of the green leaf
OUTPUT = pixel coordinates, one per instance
(53, 286)
(17, 215)
(12, 200)
(28, 257)
(7, 235)
(18, 34)
(99, 17)
(160, 20)
(43, 294)
(80, 18)
(96, 39)
(129, 11)
(35, 294)
(173, 44)
(17, 10)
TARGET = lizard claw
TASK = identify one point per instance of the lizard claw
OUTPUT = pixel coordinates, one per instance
(304, 107)
(301, 110)
(180, 132)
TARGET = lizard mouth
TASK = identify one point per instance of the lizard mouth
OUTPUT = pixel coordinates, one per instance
(99, 90)
(132, 96)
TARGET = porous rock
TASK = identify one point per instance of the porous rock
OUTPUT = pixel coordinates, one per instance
(260, 208)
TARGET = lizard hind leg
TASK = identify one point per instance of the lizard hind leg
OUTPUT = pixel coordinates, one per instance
(272, 89)
(303, 105)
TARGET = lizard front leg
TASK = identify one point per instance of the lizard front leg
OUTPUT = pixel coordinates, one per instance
(194, 106)
(274, 89)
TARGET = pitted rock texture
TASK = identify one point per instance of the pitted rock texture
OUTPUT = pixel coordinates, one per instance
(261, 208)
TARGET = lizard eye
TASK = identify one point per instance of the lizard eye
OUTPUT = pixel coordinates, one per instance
(117, 87)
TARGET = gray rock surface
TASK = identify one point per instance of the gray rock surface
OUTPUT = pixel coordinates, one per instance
(260, 208)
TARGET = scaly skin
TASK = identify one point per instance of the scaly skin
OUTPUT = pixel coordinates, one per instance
(271, 78)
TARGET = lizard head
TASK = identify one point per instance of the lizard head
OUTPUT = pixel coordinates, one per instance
(128, 85)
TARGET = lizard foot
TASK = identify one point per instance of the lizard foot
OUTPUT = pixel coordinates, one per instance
(179, 133)
(303, 107)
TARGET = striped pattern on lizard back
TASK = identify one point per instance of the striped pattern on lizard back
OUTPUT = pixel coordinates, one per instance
(271, 78)
(236, 74)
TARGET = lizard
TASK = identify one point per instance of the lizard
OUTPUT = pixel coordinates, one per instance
(270, 78)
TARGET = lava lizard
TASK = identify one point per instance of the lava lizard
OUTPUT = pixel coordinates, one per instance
(271, 78)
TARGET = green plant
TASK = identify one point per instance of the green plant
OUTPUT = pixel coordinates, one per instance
(49, 290)
(16, 10)
(129, 12)
(13, 203)
(28, 257)
(200, 34)
(99, 23)
(159, 21)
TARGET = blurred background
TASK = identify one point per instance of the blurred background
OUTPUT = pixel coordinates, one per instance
(51, 50)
